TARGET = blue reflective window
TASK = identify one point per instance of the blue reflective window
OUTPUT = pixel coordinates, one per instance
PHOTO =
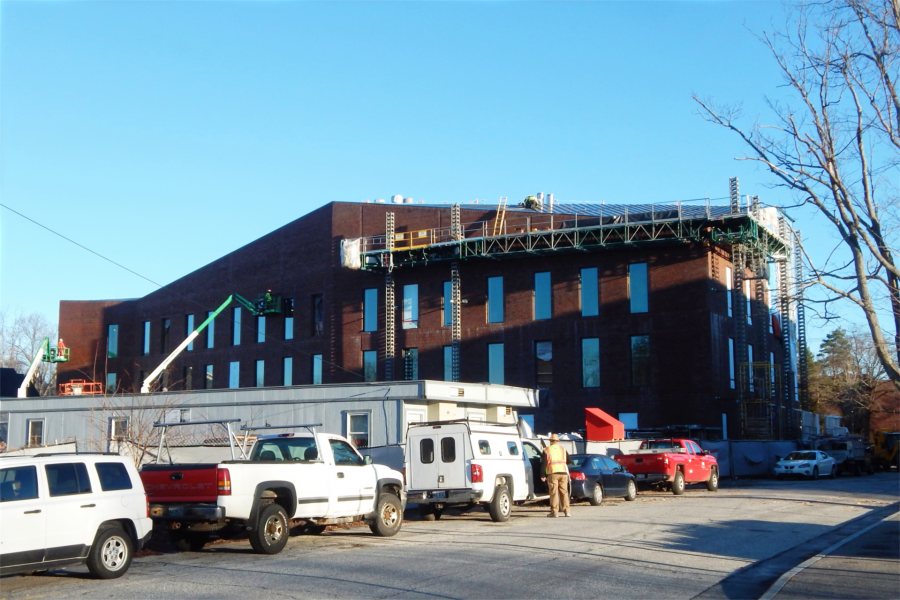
(236, 327)
(260, 329)
(317, 369)
(731, 363)
(288, 369)
(112, 341)
(210, 331)
(448, 363)
(543, 296)
(590, 362)
(590, 292)
(289, 328)
(640, 360)
(189, 329)
(638, 289)
(111, 383)
(448, 304)
(495, 363)
(370, 365)
(260, 373)
(495, 300)
(234, 374)
(145, 349)
(410, 306)
(370, 310)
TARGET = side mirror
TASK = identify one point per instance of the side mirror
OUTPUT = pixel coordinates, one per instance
(704, 453)
(368, 460)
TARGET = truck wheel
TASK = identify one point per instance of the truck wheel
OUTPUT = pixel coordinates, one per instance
(631, 492)
(596, 498)
(501, 505)
(388, 516)
(678, 484)
(271, 533)
(111, 553)
(712, 484)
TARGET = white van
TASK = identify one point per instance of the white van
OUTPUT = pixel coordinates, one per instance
(465, 462)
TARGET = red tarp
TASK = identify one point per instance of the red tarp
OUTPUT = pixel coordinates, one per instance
(601, 427)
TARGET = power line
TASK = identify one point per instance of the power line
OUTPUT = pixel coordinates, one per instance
(82, 246)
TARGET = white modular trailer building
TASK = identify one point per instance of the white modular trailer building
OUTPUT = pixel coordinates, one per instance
(373, 415)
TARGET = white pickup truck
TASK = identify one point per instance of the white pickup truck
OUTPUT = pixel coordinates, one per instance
(290, 479)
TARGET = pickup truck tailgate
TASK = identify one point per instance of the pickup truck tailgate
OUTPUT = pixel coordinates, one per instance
(180, 483)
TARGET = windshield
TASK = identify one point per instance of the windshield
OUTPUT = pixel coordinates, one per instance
(801, 456)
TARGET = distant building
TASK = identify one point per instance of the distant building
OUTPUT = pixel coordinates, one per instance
(660, 315)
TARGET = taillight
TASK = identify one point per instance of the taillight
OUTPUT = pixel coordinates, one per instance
(147, 502)
(477, 473)
(223, 478)
(666, 460)
(576, 475)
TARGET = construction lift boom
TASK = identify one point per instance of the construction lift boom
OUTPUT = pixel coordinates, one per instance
(45, 353)
(266, 304)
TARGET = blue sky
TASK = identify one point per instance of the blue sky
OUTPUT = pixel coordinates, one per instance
(163, 135)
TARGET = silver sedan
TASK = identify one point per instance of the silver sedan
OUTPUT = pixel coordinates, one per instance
(806, 463)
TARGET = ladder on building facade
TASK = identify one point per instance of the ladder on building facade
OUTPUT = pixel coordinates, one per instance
(500, 219)
(390, 309)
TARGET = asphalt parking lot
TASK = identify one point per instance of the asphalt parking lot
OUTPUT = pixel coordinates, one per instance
(739, 542)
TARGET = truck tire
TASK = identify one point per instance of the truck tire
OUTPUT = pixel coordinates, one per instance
(712, 484)
(631, 491)
(596, 498)
(111, 553)
(271, 532)
(678, 483)
(388, 516)
(501, 504)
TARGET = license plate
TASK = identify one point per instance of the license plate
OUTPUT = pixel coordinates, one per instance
(439, 495)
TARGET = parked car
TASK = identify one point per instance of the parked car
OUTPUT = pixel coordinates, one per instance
(70, 509)
(595, 476)
(805, 463)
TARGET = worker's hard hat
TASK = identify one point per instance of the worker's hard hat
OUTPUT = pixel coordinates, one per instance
(554, 437)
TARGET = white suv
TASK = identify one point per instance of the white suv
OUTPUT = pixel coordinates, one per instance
(66, 509)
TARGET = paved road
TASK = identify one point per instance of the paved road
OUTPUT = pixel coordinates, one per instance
(736, 543)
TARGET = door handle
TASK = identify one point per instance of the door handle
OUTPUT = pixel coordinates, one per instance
(340, 475)
(32, 512)
(88, 505)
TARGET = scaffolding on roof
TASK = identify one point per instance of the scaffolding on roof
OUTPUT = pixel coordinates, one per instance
(754, 235)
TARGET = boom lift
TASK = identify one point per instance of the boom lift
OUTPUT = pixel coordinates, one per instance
(45, 353)
(266, 304)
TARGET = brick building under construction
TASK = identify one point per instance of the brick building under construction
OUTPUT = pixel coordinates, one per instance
(678, 314)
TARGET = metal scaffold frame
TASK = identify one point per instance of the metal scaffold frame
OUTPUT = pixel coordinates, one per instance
(752, 235)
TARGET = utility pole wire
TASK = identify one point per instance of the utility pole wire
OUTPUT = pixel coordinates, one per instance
(82, 246)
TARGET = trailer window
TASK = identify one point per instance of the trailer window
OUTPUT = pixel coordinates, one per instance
(448, 450)
(513, 448)
(426, 451)
(484, 447)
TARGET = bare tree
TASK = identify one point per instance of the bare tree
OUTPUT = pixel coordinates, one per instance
(21, 337)
(835, 147)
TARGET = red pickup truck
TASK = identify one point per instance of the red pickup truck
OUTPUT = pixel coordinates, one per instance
(671, 463)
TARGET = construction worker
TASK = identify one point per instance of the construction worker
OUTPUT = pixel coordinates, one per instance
(557, 476)
(60, 348)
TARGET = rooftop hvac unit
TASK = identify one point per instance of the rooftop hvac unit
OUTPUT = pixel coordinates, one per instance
(397, 199)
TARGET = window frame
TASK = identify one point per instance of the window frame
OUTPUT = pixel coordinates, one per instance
(350, 431)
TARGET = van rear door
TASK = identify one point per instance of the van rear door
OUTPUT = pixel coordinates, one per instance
(437, 458)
